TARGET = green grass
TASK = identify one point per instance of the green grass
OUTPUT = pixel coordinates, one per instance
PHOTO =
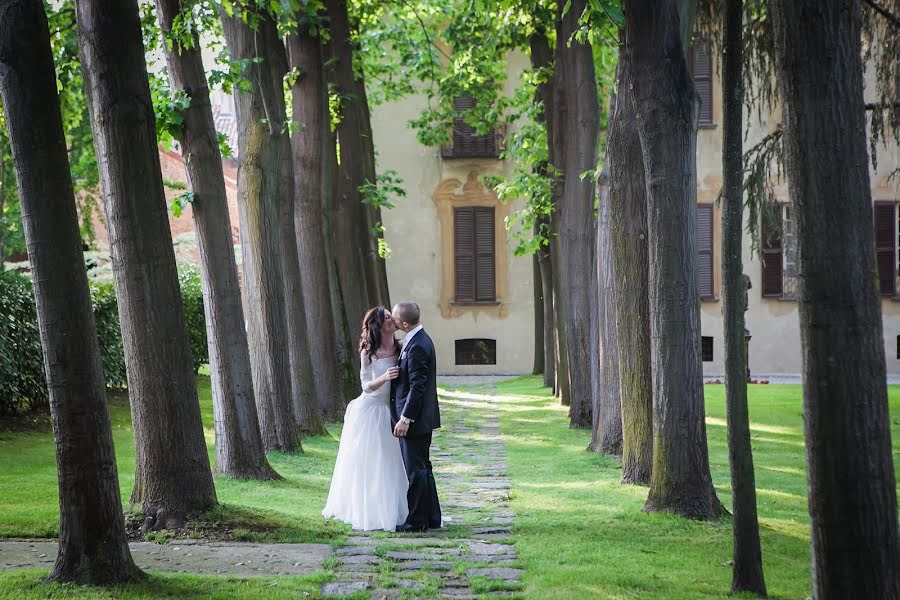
(29, 584)
(277, 511)
(580, 534)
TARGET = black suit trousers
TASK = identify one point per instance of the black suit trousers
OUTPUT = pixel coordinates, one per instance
(424, 508)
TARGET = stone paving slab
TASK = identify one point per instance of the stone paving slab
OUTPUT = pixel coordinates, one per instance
(189, 556)
(470, 468)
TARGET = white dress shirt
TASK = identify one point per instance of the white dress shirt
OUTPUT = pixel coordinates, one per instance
(403, 343)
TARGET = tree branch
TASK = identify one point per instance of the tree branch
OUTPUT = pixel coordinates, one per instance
(894, 19)
(883, 105)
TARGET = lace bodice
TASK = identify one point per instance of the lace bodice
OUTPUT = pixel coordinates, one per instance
(371, 371)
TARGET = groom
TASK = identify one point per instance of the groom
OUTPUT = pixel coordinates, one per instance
(415, 414)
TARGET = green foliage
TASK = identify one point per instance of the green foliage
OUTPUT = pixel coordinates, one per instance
(388, 185)
(180, 201)
(23, 384)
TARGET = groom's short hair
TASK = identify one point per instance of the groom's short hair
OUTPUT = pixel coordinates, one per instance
(408, 312)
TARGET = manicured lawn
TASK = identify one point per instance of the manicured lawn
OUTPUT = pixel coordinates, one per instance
(280, 511)
(29, 585)
(580, 534)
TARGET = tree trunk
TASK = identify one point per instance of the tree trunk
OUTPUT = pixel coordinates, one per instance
(375, 263)
(302, 401)
(172, 473)
(628, 213)
(549, 336)
(260, 210)
(310, 117)
(562, 385)
(544, 335)
(580, 128)
(852, 493)
(667, 114)
(746, 571)
(93, 547)
(348, 357)
(350, 224)
(239, 449)
(607, 414)
(538, 290)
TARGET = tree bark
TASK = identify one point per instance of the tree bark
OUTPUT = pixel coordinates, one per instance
(239, 449)
(746, 571)
(358, 283)
(580, 128)
(302, 401)
(628, 213)
(607, 414)
(549, 337)
(667, 112)
(260, 209)
(348, 357)
(852, 491)
(172, 473)
(538, 289)
(310, 115)
(542, 58)
(93, 547)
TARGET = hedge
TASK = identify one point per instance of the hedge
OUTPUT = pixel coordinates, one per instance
(23, 386)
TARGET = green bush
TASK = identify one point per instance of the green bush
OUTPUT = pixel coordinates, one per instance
(22, 383)
(23, 386)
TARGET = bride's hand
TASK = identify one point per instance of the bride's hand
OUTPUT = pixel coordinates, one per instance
(391, 373)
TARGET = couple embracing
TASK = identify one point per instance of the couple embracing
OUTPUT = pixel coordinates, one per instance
(382, 477)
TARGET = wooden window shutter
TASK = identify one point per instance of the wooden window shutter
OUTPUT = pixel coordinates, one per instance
(466, 141)
(485, 275)
(705, 250)
(464, 253)
(773, 264)
(700, 67)
(885, 228)
(474, 256)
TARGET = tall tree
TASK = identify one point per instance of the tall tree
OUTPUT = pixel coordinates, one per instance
(239, 449)
(542, 60)
(607, 409)
(538, 291)
(667, 112)
(310, 116)
(628, 216)
(747, 571)
(260, 209)
(303, 401)
(172, 473)
(358, 280)
(852, 490)
(580, 120)
(93, 547)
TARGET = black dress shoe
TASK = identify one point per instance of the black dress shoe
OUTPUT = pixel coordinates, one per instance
(409, 528)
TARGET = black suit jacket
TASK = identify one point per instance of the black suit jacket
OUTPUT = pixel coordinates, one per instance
(414, 391)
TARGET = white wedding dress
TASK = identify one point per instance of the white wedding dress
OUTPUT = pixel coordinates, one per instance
(368, 488)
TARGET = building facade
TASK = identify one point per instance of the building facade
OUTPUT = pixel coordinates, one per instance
(495, 333)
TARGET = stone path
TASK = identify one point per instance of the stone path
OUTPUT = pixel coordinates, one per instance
(189, 556)
(473, 555)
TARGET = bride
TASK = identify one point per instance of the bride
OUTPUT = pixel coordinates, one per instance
(368, 488)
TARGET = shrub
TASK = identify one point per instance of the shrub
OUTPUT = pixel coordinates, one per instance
(23, 385)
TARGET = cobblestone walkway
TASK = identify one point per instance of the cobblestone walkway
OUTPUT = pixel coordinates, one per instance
(472, 555)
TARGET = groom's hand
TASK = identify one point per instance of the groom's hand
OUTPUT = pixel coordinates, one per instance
(400, 429)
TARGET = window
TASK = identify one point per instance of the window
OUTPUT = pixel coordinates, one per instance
(705, 250)
(706, 348)
(773, 261)
(476, 352)
(699, 60)
(473, 241)
(465, 141)
(885, 247)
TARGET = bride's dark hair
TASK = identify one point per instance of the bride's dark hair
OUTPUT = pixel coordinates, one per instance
(370, 336)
